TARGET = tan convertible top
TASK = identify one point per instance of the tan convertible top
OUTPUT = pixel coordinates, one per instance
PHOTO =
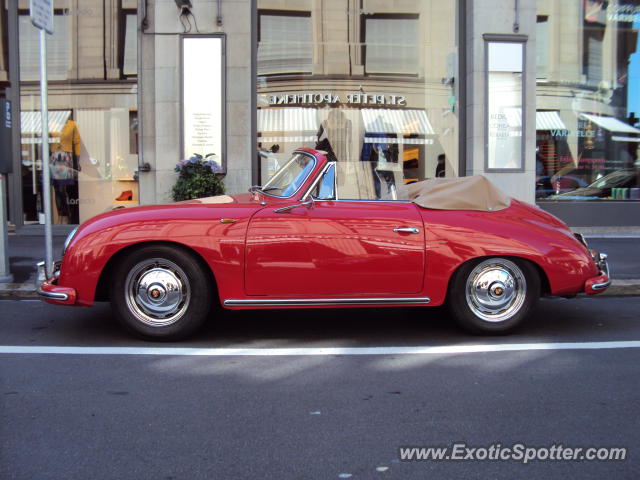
(464, 193)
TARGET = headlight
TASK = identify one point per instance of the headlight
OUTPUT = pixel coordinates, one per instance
(68, 240)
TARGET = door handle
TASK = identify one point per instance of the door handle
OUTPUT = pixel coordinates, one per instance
(407, 230)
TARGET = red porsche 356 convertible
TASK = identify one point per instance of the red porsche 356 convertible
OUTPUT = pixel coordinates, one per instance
(326, 234)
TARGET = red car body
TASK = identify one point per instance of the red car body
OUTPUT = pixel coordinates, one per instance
(335, 253)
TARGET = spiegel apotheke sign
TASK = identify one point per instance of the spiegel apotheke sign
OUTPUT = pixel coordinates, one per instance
(328, 98)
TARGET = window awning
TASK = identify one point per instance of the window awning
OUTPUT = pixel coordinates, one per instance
(289, 124)
(31, 122)
(514, 116)
(625, 139)
(545, 120)
(610, 123)
(402, 122)
(549, 121)
(285, 120)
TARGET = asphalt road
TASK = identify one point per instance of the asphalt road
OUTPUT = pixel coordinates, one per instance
(139, 416)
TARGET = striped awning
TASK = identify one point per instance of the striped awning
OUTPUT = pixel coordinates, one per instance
(514, 116)
(545, 120)
(549, 120)
(403, 122)
(31, 121)
(610, 123)
(625, 139)
(285, 120)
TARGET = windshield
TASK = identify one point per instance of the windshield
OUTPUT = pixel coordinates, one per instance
(290, 178)
(613, 179)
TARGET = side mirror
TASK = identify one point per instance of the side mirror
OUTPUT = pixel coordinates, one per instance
(309, 203)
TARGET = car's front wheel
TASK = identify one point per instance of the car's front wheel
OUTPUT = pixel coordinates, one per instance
(161, 293)
(493, 295)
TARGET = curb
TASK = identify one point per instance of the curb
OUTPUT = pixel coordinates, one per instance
(26, 291)
(18, 291)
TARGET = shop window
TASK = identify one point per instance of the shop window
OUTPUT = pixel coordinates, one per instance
(587, 133)
(4, 54)
(390, 44)
(59, 45)
(505, 94)
(128, 51)
(284, 42)
(382, 136)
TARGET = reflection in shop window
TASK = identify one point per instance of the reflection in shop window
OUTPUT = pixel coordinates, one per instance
(505, 62)
(59, 61)
(391, 44)
(284, 42)
(128, 54)
(587, 144)
(396, 132)
(4, 54)
(542, 46)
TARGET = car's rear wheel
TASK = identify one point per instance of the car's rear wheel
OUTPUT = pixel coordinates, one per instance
(493, 295)
(161, 293)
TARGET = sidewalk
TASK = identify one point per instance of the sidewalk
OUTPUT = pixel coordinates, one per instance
(26, 248)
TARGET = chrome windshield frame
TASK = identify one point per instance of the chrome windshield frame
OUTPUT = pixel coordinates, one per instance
(296, 152)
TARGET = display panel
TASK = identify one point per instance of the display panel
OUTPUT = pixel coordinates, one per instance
(203, 98)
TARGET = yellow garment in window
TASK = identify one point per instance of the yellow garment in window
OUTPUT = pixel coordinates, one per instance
(69, 139)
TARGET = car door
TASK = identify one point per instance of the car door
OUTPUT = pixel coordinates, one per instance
(336, 247)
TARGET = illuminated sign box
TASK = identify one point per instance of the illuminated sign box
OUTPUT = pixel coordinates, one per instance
(203, 97)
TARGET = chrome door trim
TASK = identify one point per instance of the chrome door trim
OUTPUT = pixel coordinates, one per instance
(310, 302)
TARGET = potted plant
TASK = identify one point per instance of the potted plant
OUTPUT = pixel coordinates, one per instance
(198, 177)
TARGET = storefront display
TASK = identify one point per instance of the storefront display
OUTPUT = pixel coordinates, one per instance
(588, 135)
(374, 86)
(93, 120)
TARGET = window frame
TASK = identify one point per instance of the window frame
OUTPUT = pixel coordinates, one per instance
(363, 42)
(282, 13)
(72, 71)
(122, 38)
(514, 40)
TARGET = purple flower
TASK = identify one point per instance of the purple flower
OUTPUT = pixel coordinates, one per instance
(213, 165)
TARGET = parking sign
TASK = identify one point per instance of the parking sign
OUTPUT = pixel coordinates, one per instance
(41, 12)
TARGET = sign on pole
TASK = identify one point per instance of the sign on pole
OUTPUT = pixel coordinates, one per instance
(42, 18)
(41, 12)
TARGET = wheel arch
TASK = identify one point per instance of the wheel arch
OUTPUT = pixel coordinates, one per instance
(102, 292)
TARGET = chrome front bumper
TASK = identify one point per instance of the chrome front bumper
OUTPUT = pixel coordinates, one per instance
(47, 288)
(601, 282)
(601, 262)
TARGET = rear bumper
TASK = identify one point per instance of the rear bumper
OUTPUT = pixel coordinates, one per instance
(601, 282)
(48, 289)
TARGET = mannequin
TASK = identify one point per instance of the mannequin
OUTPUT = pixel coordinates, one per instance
(64, 172)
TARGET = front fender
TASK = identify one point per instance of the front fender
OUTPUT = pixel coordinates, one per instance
(198, 228)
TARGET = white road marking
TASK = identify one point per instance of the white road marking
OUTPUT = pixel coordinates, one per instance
(316, 351)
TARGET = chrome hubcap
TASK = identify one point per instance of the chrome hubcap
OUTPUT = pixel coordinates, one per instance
(496, 290)
(158, 292)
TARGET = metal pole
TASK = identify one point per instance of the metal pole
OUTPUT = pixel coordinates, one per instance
(46, 182)
(5, 274)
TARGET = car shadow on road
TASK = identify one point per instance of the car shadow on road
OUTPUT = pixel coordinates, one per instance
(555, 320)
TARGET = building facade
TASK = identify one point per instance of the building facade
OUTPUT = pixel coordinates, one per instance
(540, 96)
